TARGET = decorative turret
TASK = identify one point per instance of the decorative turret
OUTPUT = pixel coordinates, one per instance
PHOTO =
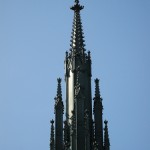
(98, 116)
(52, 136)
(59, 108)
(106, 137)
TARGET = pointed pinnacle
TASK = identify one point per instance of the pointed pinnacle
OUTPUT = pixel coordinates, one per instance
(106, 136)
(59, 92)
(58, 99)
(77, 38)
(97, 91)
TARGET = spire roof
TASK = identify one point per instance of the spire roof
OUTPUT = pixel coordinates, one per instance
(77, 38)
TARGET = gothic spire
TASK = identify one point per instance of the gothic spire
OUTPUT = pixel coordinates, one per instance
(52, 135)
(106, 137)
(97, 98)
(97, 91)
(77, 38)
(58, 98)
(98, 108)
(59, 92)
(59, 108)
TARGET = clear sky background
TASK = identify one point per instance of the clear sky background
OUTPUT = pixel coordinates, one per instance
(34, 35)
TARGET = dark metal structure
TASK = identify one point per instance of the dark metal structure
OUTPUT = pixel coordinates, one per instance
(82, 128)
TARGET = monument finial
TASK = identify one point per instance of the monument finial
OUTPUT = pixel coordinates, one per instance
(77, 7)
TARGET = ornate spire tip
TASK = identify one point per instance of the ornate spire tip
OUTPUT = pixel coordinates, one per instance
(105, 122)
(59, 80)
(52, 121)
(77, 7)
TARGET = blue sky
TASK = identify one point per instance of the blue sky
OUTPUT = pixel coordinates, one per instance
(34, 35)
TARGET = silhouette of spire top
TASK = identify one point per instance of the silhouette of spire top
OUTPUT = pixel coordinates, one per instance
(77, 38)
(58, 98)
(106, 136)
(97, 91)
(59, 92)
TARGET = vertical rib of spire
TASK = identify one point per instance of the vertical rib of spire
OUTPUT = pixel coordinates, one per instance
(77, 38)
(106, 137)
(52, 135)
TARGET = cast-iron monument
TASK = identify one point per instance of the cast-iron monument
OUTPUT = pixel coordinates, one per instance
(82, 127)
